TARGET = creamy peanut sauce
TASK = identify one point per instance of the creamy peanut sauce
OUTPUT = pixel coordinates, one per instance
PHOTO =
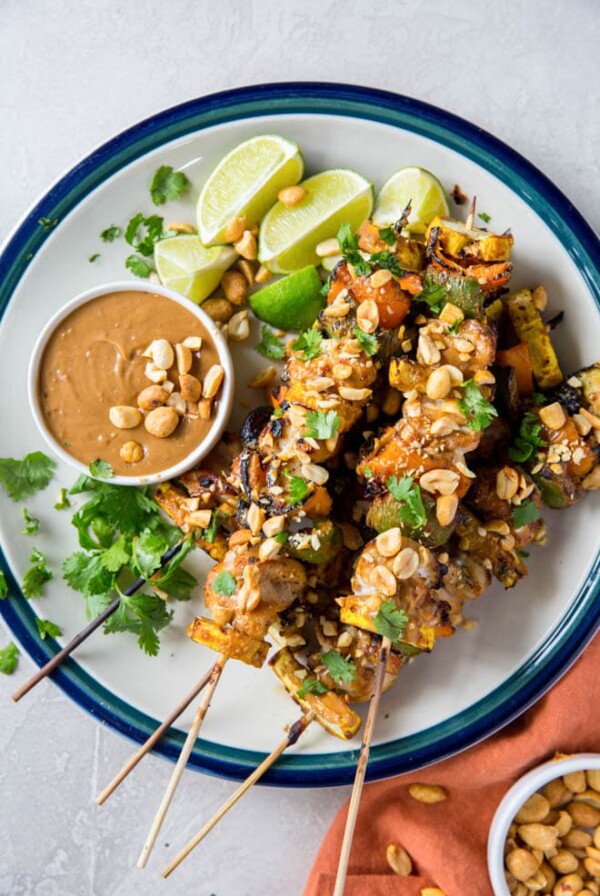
(93, 361)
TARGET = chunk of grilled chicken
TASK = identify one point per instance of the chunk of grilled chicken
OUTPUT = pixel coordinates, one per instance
(497, 492)
(362, 649)
(248, 593)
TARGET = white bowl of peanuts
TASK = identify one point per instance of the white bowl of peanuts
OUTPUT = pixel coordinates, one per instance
(545, 835)
(132, 382)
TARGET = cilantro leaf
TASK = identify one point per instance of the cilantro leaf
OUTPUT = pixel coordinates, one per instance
(525, 513)
(210, 533)
(367, 342)
(224, 584)
(110, 234)
(101, 468)
(178, 584)
(485, 217)
(298, 488)
(477, 409)
(388, 235)
(9, 657)
(48, 223)
(93, 257)
(408, 493)
(529, 440)
(152, 232)
(309, 343)
(31, 523)
(282, 537)
(144, 615)
(390, 621)
(137, 266)
(322, 424)
(62, 502)
(348, 244)
(326, 287)
(116, 555)
(270, 346)
(434, 296)
(339, 668)
(168, 184)
(386, 260)
(36, 576)
(23, 478)
(3, 586)
(310, 686)
(45, 627)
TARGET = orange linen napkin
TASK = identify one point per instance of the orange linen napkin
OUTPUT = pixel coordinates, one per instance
(447, 841)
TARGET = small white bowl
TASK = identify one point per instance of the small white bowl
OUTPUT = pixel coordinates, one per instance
(225, 399)
(514, 799)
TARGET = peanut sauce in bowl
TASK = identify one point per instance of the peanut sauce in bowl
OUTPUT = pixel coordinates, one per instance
(135, 375)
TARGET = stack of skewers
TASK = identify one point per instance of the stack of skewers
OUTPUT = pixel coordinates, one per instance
(398, 468)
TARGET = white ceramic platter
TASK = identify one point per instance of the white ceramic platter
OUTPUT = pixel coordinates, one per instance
(469, 685)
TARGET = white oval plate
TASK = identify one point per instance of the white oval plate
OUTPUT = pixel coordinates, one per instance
(471, 684)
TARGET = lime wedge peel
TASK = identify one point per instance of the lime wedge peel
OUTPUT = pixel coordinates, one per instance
(419, 187)
(184, 264)
(288, 236)
(246, 183)
(292, 302)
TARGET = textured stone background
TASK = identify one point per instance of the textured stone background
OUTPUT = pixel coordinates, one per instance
(72, 74)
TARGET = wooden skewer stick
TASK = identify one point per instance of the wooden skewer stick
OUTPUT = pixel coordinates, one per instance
(298, 728)
(215, 674)
(79, 638)
(471, 215)
(361, 770)
(154, 738)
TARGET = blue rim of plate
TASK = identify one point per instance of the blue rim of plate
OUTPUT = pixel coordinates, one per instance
(581, 619)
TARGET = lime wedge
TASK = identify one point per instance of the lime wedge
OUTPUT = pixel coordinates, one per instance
(288, 236)
(417, 186)
(246, 182)
(291, 303)
(187, 266)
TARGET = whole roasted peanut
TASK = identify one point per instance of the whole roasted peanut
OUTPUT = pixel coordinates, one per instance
(564, 861)
(131, 452)
(235, 229)
(563, 823)
(584, 815)
(593, 778)
(539, 836)
(570, 885)
(576, 838)
(398, 860)
(556, 793)
(212, 381)
(162, 354)
(234, 286)
(124, 417)
(534, 809)
(521, 864)
(536, 882)
(428, 793)
(575, 781)
(592, 866)
(219, 309)
(190, 387)
(161, 422)
(152, 397)
(591, 797)
(291, 196)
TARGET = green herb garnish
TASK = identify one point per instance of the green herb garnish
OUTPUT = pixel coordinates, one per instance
(348, 243)
(390, 622)
(48, 223)
(386, 260)
(408, 494)
(339, 668)
(525, 513)
(529, 440)
(110, 234)
(101, 469)
(321, 424)
(309, 343)
(62, 502)
(434, 296)
(388, 235)
(36, 576)
(297, 489)
(310, 686)
(270, 346)
(23, 478)
(46, 628)
(367, 342)
(93, 257)
(224, 584)
(485, 217)
(138, 266)
(477, 409)
(282, 537)
(9, 657)
(31, 523)
(152, 232)
(3, 586)
(168, 184)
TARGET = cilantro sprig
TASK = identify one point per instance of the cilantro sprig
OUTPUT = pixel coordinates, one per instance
(168, 184)
(525, 513)
(138, 267)
(9, 657)
(408, 493)
(311, 686)
(224, 584)
(142, 233)
(322, 424)
(110, 234)
(528, 441)
(3, 586)
(270, 346)
(23, 478)
(298, 488)
(433, 295)
(32, 524)
(338, 667)
(367, 342)
(309, 343)
(390, 622)
(36, 576)
(477, 409)
(348, 243)
(46, 628)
